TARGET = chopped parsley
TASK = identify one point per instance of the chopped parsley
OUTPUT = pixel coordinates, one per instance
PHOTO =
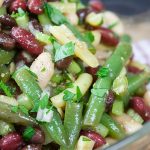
(79, 94)
(103, 72)
(21, 108)
(113, 25)
(43, 69)
(20, 13)
(14, 109)
(64, 51)
(44, 101)
(5, 88)
(54, 14)
(85, 139)
(28, 133)
(89, 36)
(69, 96)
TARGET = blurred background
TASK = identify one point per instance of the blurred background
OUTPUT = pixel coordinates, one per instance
(135, 15)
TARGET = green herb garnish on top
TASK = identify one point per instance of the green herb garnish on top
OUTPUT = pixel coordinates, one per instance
(64, 51)
(103, 72)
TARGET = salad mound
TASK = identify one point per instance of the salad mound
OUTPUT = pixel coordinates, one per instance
(68, 79)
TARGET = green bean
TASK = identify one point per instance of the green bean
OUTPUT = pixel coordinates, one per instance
(96, 105)
(17, 118)
(5, 128)
(57, 78)
(25, 101)
(56, 130)
(4, 73)
(6, 56)
(72, 122)
(115, 129)
(23, 21)
(43, 19)
(48, 138)
(74, 68)
(58, 18)
(3, 11)
(136, 81)
(118, 107)
(27, 81)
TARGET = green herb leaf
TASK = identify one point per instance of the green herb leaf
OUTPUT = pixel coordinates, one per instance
(28, 133)
(14, 109)
(24, 110)
(20, 13)
(89, 36)
(64, 51)
(68, 96)
(5, 88)
(85, 139)
(58, 18)
(44, 101)
(103, 72)
(79, 94)
(55, 15)
(113, 25)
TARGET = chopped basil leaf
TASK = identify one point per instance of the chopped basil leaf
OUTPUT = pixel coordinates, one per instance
(64, 51)
(89, 36)
(68, 96)
(5, 88)
(99, 92)
(28, 133)
(103, 72)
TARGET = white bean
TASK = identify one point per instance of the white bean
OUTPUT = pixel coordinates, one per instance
(84, 81)
(128, 123)
(147, 98)
(43, 67)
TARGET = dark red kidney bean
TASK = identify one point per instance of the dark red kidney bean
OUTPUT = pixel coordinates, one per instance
(17, 4)
(7, 21)
(25, 57)
(38, 137)
(109, 100)
(108, 37)
(6, 41)
(27, 41)
(36, 25)
(82, 13)
(11, 141)
(99, 140)
(133, 69)
(32, 147)
(92, 71)
(96, 5)
(64, 63)
(7, 3)
(137, 103)
(35, 6)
